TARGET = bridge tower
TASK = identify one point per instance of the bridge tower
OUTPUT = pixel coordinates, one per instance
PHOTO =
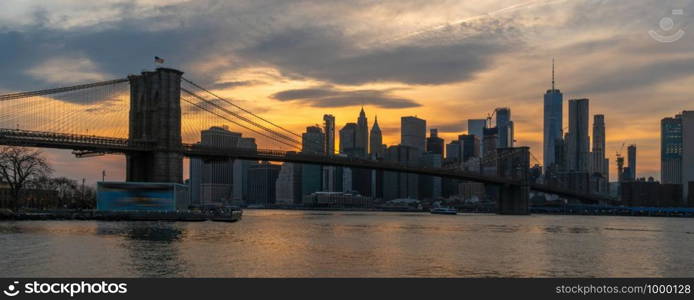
(513, 163)
(155, 119)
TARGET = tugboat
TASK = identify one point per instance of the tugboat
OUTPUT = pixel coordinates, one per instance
(444, 211)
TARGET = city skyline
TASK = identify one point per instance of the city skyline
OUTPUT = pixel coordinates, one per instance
(485, 78)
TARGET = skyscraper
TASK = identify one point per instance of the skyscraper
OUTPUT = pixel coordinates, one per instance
(687, 151)
(491, 137)
(311, 175)
(677, 151)
(262, 179)
(312, 140)
(329, 172)
(376, 146)
(599, 164)
(216, 178)
(505, 127)
(553, 122)
(288, 184)
(362, 136)
(329, 128)
(469, 146)
(353, 179)
(453, 151)
(671, 150)
(348, 139)
(241, 168)
(578, 141)
(413, 133)
(401, 185)
(476, 127)
(631, 161)
(434, 142)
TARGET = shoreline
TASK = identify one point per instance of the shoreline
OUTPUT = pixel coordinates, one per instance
(191, 216)
(93, 215)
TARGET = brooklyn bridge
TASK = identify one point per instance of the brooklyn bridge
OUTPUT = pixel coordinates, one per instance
(155, 118)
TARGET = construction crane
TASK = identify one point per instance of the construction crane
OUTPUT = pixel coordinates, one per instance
(489, 118)
(620, 163)
(619, 152)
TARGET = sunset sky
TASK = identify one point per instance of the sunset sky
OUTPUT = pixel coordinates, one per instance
(444, 61)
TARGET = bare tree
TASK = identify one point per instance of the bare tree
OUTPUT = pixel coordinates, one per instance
(18, 166)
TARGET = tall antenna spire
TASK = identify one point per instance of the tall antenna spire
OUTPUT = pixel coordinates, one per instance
(553, 74)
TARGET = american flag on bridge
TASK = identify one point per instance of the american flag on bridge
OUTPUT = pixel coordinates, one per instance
(158, 60)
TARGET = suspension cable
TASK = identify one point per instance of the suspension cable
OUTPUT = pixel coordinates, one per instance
(60, 90)
(241, 117)
(237, 123)
(239, 107)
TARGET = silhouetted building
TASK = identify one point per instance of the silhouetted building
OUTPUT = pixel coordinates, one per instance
(453, 152)
(476, 127)
(329, 172)
(348, 139)
(488, 164)
(513, 163)
(677, 151)
(631, 159)
(362, 135)
(600, 166)
(671, 150)
(553, 123)
(241, 171)
(430, 186)
(311, 175)
(434, 142)
(413, 132)
(261, 183)
(329, 128)
(469, 146)
(651, 193)
(504, 126)
(687, 151)
(401, 185)
(490, 141)
(376, 147)
(212, 182)
(579, 182)
(288, 184)
(578, 141)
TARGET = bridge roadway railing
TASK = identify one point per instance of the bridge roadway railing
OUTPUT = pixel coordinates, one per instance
(586, 198)
(197, 150)
(28, 138)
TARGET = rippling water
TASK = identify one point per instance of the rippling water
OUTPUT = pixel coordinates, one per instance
(276, 243)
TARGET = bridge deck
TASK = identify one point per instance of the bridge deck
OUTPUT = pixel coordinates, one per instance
(101, 144)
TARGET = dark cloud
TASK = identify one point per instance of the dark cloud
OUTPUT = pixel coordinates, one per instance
(326, 54)
(187, 34)
(234, 84)
(331, 97)
(635, 76)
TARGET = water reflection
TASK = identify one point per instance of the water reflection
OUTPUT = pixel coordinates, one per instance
(272, 243)
(152, 247)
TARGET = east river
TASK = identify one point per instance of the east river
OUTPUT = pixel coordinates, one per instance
(284, 243)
